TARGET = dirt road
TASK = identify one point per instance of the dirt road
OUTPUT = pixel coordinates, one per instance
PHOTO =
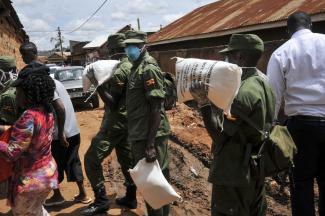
(190, 158)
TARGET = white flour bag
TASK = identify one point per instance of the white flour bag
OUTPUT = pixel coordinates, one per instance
(152, 184)
(222, 80)
(102, 71)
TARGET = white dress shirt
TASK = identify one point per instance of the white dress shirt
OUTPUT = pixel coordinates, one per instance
(296, 72)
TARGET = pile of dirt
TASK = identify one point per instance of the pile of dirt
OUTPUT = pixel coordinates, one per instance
(188, 131)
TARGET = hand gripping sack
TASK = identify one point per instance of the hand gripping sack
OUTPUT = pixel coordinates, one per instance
(222, 80)
(5, 166)
(275, 153)
(102, 70)
(152, 184)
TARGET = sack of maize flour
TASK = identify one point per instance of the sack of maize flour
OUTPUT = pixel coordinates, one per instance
(100, 70)
(152, 184)
(222, 80)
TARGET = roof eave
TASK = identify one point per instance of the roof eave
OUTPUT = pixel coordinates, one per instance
(271, 25)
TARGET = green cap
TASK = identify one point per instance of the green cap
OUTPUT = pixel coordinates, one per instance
(244, 42)
(135, 37)
(116, 40)
(7, 63)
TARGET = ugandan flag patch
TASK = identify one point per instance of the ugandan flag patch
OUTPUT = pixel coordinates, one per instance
(150, 82)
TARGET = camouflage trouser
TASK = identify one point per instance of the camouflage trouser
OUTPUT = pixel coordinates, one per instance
(243, 201)
(138, 149)
(101, 147)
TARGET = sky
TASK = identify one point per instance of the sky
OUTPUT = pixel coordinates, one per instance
(41, 18)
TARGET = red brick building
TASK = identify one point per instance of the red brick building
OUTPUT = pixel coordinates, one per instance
(12, 34)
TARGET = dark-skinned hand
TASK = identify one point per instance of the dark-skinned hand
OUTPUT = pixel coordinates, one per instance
(199, 92)
(151, 154)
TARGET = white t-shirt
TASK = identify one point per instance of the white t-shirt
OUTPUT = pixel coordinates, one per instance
(70, 126)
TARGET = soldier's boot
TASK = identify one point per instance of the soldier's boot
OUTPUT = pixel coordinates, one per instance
(130, 198)
(100, 205)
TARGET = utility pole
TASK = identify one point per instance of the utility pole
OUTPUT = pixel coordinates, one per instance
(138, 24)
(60, 41)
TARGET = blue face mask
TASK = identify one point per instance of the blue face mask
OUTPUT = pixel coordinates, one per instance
(133, 52)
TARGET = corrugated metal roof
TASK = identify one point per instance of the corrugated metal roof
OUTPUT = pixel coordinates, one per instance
(225, 15)
(98, 42)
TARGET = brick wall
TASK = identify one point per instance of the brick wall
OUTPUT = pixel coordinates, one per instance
(10, 41)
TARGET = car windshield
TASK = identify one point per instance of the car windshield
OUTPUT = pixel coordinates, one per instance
(69, 74)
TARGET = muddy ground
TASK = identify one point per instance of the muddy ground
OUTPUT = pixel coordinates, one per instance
(190, 159)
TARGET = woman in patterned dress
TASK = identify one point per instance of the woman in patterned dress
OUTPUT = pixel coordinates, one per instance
(29, 148)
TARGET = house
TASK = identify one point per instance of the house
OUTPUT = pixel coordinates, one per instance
(78, 54)
(58, 58)
(97, 49)
(206, 30)
(12, 34)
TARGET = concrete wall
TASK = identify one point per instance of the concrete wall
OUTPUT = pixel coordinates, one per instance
(10, 41)
(168, 65)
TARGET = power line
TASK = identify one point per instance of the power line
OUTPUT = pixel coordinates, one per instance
(91, 16)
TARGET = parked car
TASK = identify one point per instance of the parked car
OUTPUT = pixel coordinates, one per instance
(53, 69)
(71, 78)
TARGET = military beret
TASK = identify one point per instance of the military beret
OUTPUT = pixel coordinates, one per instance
(116, 40)
(7, 63)
(135, 37)
(244, 42)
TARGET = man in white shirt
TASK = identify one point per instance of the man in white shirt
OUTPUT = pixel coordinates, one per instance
(296, 71)
(66, 154)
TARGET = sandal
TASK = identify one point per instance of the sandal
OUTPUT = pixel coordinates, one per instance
(85, 200)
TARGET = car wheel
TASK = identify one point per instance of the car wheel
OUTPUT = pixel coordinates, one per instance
(95, 101)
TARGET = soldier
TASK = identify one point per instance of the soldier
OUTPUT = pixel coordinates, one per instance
(8, 110)
(235, 191)
(148, 125)
(112, 134)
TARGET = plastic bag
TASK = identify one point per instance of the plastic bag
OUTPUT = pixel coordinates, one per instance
(152, 184)
(222, 80)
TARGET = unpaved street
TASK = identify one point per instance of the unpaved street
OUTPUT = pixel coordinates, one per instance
(189, 148)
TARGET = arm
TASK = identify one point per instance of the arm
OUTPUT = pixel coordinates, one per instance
(116, 86)
(60, 114)
(155, 94)
(154, 123)
(212, 121)
(20, 139)
(106, 97)
(275, 74)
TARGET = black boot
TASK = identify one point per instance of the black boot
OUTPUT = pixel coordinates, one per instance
(100, 205)
(130, 199)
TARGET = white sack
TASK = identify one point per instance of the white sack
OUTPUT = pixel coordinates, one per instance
(221, 78)
(102, 70)
(152, 184)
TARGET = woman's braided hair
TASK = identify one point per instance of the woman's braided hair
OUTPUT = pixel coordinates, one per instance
(38, 87)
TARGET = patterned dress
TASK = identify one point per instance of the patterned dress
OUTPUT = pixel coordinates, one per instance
(29, 149)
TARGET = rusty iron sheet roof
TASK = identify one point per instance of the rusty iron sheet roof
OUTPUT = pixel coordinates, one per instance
(226, 15)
